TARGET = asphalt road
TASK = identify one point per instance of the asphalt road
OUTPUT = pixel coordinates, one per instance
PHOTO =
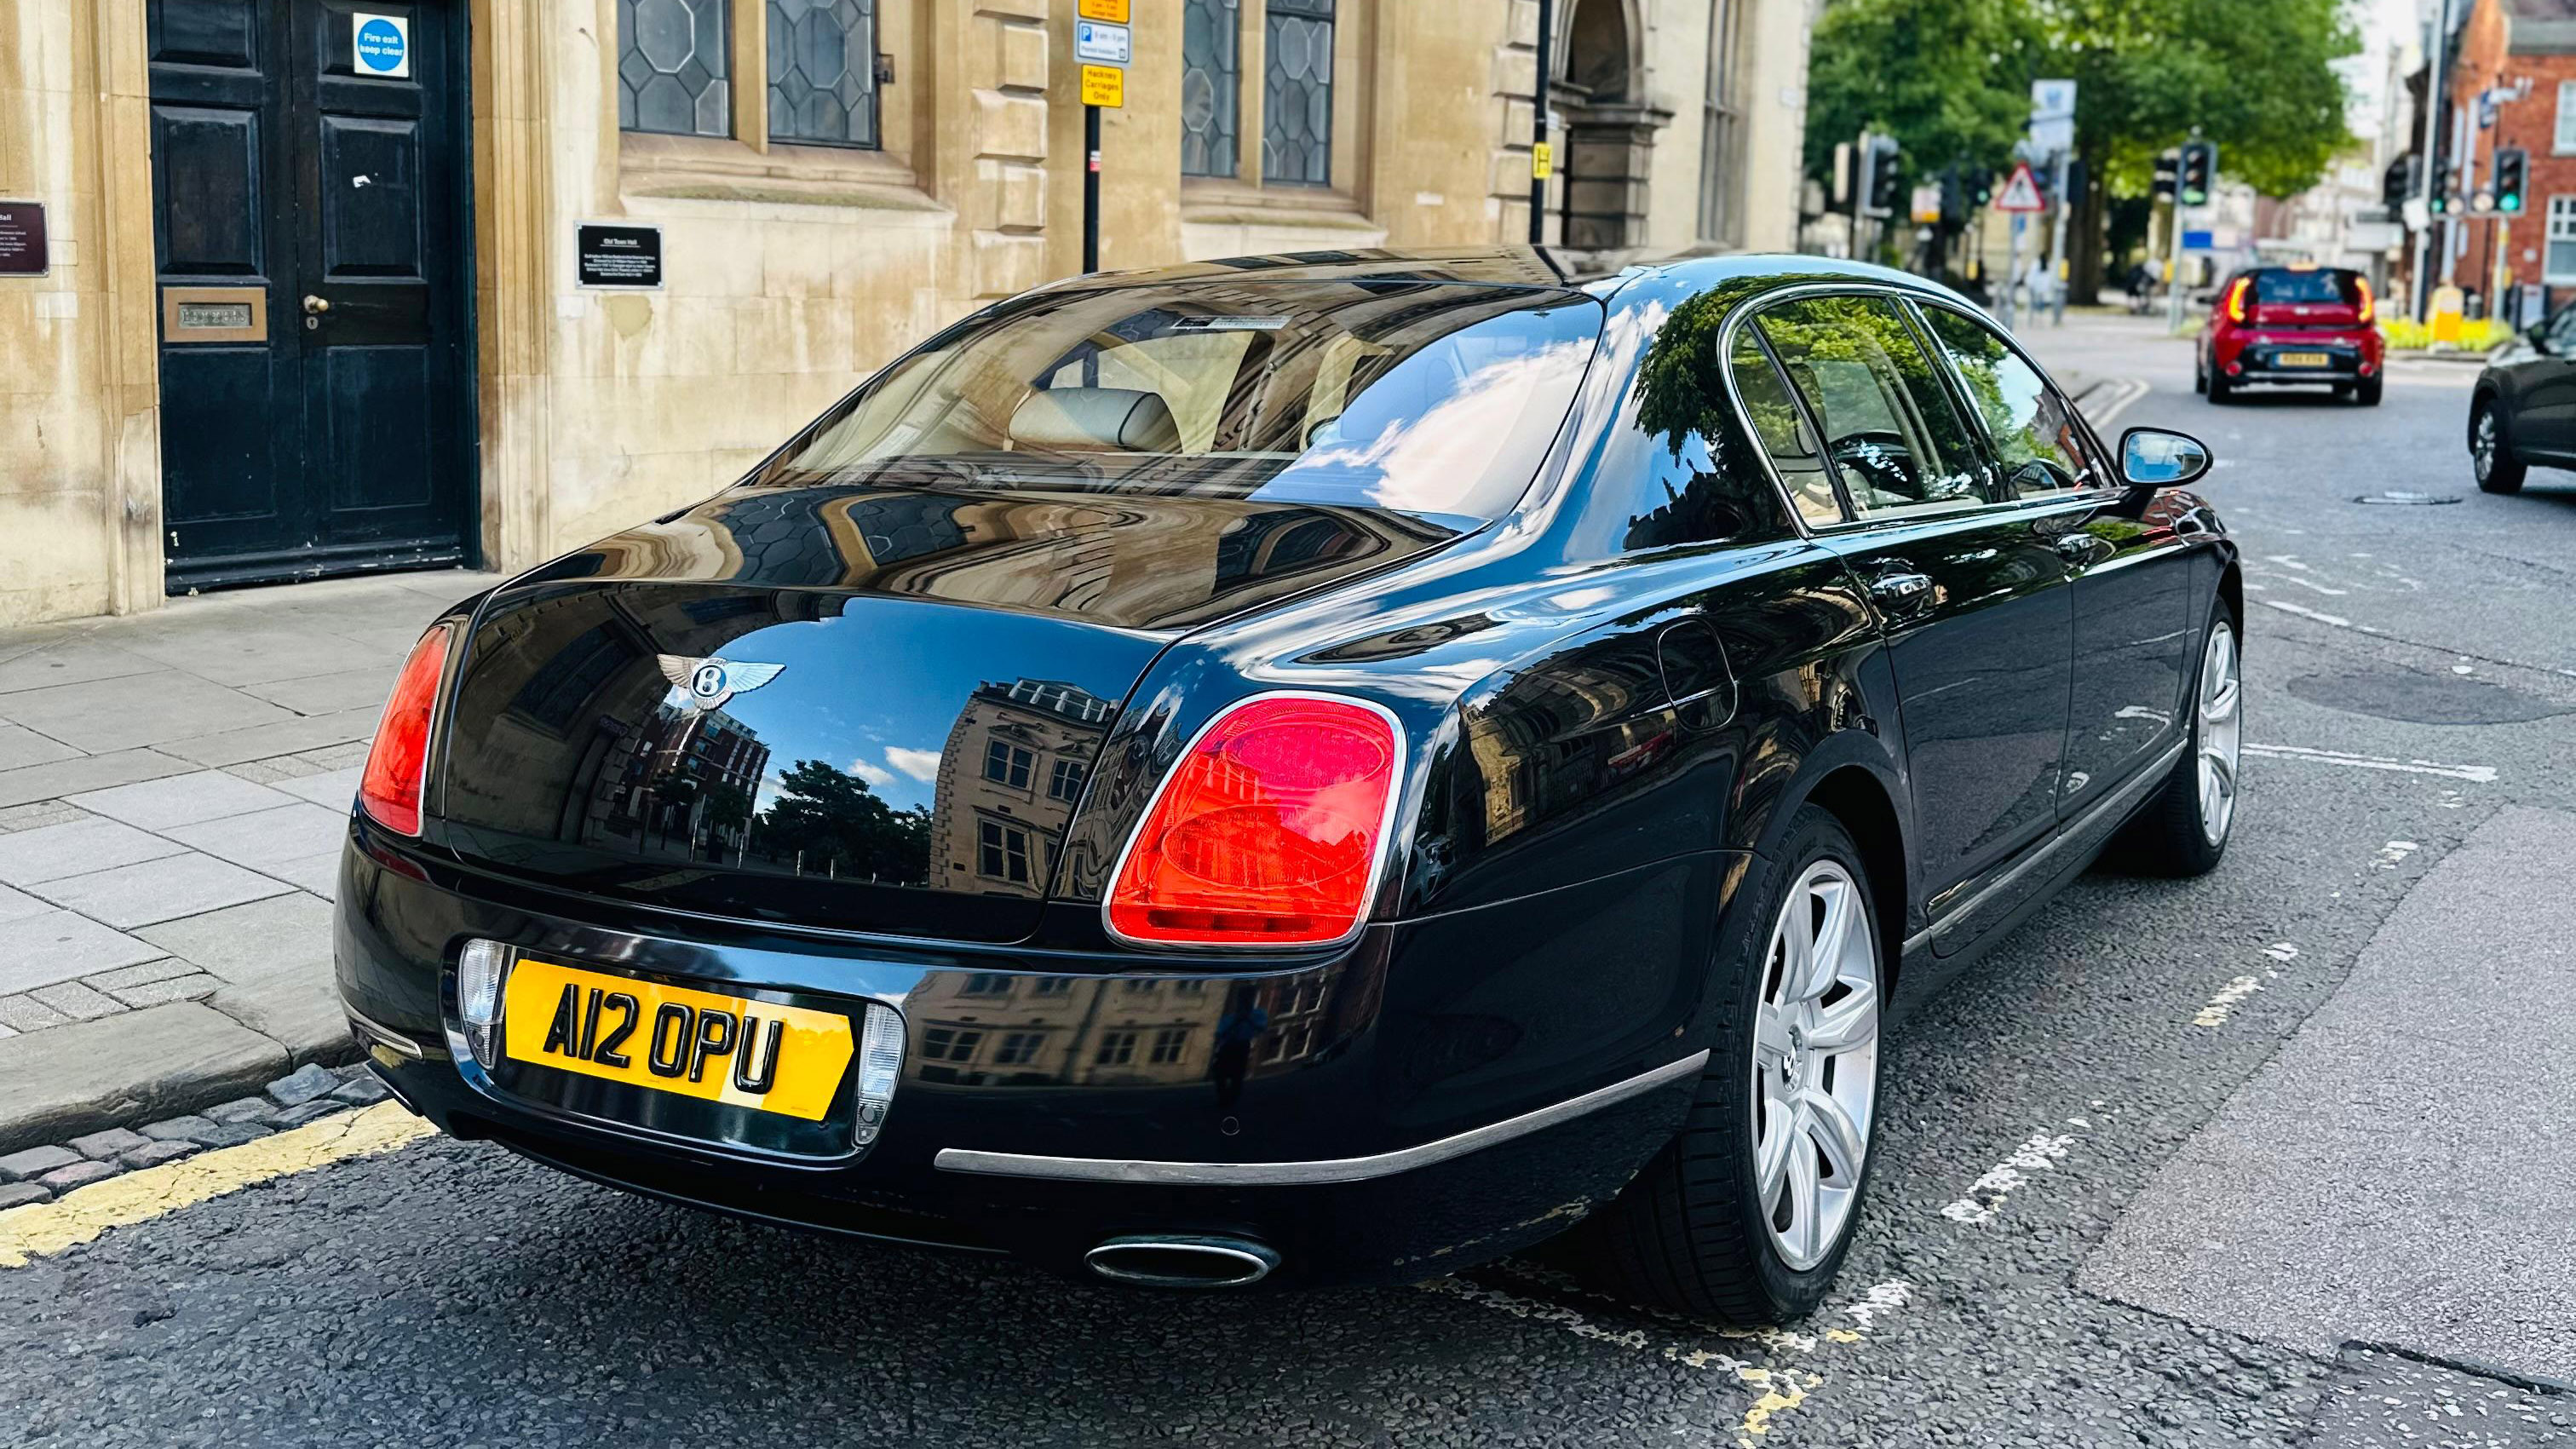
(2116, 1161)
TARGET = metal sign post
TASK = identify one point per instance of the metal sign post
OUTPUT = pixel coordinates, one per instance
(1540, 158)
(1102, 46)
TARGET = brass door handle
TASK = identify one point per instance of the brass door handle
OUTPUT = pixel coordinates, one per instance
(316, 306)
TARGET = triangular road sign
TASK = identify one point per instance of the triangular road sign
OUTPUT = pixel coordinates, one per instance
(2021, 193)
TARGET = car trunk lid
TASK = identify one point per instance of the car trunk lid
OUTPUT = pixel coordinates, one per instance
(867, 709)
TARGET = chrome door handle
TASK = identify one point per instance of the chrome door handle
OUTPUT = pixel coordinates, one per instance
(2075, 547)
(1904, 589)
(316, 306)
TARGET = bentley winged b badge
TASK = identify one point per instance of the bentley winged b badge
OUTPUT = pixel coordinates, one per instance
(705, 684)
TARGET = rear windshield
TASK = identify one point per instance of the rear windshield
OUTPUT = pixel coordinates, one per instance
(1428, 398)
(2294, 286)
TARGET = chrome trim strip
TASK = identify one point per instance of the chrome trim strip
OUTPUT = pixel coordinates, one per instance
(1338, 1169)
(2130, 791)
(383, 1035)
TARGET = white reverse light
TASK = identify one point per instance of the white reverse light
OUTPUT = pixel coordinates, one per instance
(480, 971)
(880, 1062)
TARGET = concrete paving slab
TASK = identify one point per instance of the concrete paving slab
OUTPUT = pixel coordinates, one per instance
(137, 709)
(57, 945)
(183, 800)
(90, 772)
(71, 659)
(334, 790)
(79, 1078)
(159, 890)
(268, 741)
(275, 960)
(265, 839)
(21, 746)
(52, 852)
(17, 904)
(348, 689)
(2404, 1171)
(248, 648)
(319, 874)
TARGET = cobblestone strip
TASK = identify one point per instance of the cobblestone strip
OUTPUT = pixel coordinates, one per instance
(38, 1174)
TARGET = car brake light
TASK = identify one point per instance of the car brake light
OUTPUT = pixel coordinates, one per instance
(391, 788)
(2236, 299)
(2361, 286)
(1269, 832)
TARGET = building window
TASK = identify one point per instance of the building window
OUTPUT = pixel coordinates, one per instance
(1117, 1049)
(1188, 988)
(1054, 985)
(1297, 94)
(1008, 764)
(2566, 140)
(823, 72)
(946, 1044)
(1002, 852)
(1168, 1044)
(672, 64)
(1064, 780)
(2558, 264)
(1721, 128)
(986, 983)
(1018, 1049)
(1211, 88)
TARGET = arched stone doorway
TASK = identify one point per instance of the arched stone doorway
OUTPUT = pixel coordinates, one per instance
(1601, 92)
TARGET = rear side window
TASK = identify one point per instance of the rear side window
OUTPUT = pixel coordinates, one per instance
(2311, 286)
(1891, 435)
(1776, 421)
(2033, 429)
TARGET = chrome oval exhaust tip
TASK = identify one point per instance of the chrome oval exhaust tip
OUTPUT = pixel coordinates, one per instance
(1182, 1262)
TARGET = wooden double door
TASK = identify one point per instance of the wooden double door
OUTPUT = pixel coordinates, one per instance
(310, 185)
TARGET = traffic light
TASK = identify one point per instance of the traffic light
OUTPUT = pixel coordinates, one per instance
(1879, 181)
(2512, 172)
(2166, 166)
(2199, 170)
(2074, 181)
(2404, 178)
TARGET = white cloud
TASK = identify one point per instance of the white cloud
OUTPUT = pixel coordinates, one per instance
(922, 765)
(876, 775)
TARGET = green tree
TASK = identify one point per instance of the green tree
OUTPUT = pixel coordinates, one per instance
(1949, 79)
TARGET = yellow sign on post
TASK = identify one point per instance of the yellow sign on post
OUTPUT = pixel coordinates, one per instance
(1104, 85)
(1113, 11)
(1542, 161)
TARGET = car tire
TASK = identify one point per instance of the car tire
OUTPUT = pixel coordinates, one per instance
(2218, 389)
(2185, 827)
(2367, 391)
(1696, 1231)
(2491, 449)
(2199, 375)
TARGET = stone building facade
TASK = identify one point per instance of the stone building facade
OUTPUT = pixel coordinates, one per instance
(317, 293)
(2523, 53)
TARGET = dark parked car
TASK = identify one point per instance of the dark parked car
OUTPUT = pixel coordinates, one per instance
(2523, 410)
(1323, 769)
(2292, 324)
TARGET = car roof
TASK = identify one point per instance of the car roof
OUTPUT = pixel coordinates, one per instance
(1512, 266)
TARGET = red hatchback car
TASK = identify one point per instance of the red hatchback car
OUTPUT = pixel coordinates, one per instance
(2293, 324)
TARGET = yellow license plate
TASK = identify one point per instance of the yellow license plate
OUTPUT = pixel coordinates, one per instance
(758, 1054)
(2302, 359)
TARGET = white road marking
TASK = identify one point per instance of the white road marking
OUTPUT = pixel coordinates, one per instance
(2393, 854)
(1987, 1195)
(2287, 561)
(2313, 584)
(2474, 774)
(2304, 612)
(2229, 996)
(2282, 951)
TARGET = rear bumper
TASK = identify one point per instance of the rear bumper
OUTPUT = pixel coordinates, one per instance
(1439, 1092)
(2347, 359)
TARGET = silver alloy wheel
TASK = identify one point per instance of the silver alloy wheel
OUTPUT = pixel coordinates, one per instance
(2482, 442)
(1815, 1063)
(2220, 732)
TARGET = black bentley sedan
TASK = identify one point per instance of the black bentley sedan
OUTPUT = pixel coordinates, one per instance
(2522, 412)
(1306, 769)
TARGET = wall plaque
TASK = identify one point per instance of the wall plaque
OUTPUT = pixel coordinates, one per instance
(618, 256)
(22, 239)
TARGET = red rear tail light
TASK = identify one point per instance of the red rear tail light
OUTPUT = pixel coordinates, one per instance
(390, 790)
(2236, 299)
(1268, 833)
(2361, 292)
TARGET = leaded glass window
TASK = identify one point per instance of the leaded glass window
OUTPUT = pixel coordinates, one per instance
(1211, 85)
(823, 72)
(672, 67)
(1297, 94)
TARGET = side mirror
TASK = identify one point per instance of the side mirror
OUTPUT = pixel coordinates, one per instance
(2152, 458)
